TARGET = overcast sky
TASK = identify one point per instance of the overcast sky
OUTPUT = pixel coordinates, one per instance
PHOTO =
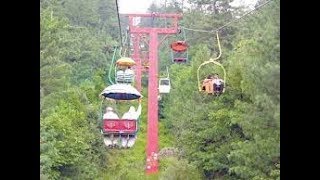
(141, 6)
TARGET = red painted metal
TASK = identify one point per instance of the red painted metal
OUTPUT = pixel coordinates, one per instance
(128, 126)
(136, 57)
(145, 61)
(152, 129)
(159, 30)
(179, 46)
(152, 136)
(175, 16)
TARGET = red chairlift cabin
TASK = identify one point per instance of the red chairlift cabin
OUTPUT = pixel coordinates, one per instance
(120, 128)
(114, 129)
(179, 49)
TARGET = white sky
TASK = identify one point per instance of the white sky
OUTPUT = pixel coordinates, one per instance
(134, 6)
(141, 6)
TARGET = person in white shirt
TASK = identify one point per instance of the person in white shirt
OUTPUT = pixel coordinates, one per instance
(110, 114)
(129, 71)
(129, 74)
(125, 75)
(132, 113)
(218, 84)
(120, 73)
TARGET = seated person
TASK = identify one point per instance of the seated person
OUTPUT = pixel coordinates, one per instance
(120, 75)
(129, 71)
(124, 140)
(128, 75)
(110, 114)
(115, 140)
(218, 84)
(125, 75)
(207, 84)
(132, 113)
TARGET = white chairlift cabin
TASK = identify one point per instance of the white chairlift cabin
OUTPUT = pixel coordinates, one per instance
(164, 84)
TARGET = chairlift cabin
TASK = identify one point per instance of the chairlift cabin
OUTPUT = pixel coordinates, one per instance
(208, 84)
(122, 71)
(164, 85)
(120, 132)
(179, 53)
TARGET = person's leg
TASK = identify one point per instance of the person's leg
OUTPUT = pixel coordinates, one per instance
(112, 139)
(211, 90)
(207, 88)
(203, 86)
(215, 87)
(221, 88)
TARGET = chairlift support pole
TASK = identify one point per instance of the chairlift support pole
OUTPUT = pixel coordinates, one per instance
(154, 32)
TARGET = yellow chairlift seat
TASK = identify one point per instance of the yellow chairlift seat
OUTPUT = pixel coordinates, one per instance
(214, 62)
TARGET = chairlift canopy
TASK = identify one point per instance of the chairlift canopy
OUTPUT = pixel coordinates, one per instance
(121, 92)
(125, 61)
(179, 46)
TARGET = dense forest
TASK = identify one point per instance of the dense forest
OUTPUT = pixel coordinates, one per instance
(232, 136)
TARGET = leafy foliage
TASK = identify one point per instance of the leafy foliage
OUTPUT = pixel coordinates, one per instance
(72, 67)
(235, 135)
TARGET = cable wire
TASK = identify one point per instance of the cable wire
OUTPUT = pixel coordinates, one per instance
(227, 24)
(119, 23)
